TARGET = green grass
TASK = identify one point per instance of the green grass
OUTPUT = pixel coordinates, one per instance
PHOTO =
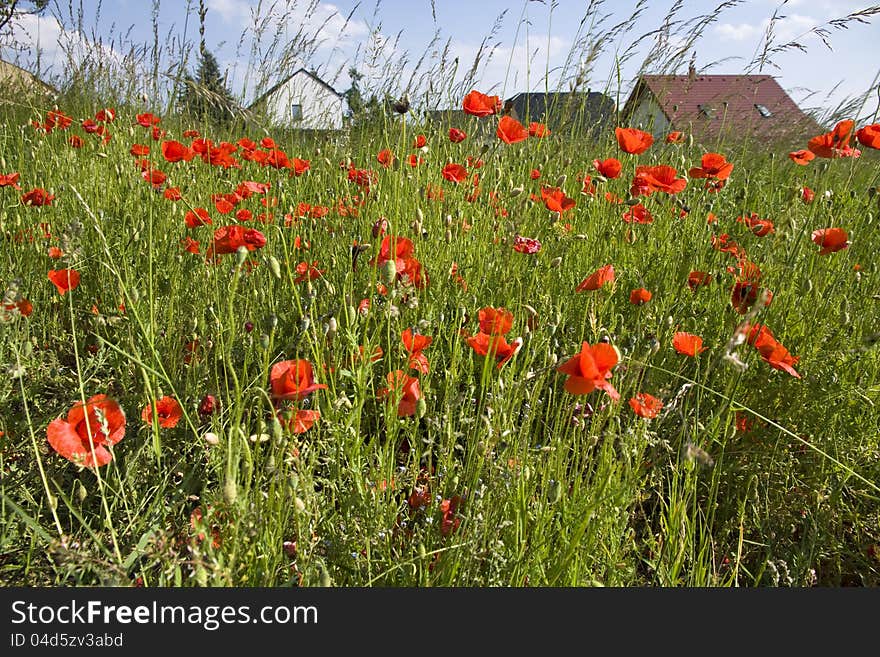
(549, 496)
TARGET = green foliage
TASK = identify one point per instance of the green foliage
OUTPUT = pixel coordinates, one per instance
(206, 96)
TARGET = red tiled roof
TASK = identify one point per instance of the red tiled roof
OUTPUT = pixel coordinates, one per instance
(709, 105)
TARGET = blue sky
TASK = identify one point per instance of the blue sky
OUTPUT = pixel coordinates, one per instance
(532, 44)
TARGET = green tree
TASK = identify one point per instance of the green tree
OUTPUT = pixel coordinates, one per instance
(206, 96)
(361, 111)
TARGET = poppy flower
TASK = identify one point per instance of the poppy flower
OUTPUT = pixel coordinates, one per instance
(661, 178)
(385, 158)
(698, 278)
(172, 194)
(139, 150)
(300, 166)
(454, 173)
(645, 405)
(830, 239)
(293, 379)
(10, 180)
(98, 424)
(174, 151)
(154, 176)
(147, 120)
(538, 130)
(64, 280)
(308, 272)
(869, 135)
(597, 279)
(639, 296)
(511, 131)
(456, 135)
(688, 343)
(526, 244)
(802, 157)
(835, 143)
(302, 420)
(807, 194)
(228, 239)
(168, 411)
(449, 523)
(675, 137)
(106, 115)
(197, 217)
(759, 227)
(609, 168)
(555, 200)
(403, 390)
(420, 142)
(413, 160)
(478, 104)
(778, 357)
(590, 369)
(55, 253)
(638, 214)
(415, 343)
(75, 141)
(712, 165)
(495, 321)
(633, 140)
(37, 197)
(495, 346)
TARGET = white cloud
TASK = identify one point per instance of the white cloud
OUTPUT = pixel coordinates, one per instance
(790, 27)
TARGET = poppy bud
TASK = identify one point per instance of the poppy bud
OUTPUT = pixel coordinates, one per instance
(230, 491)
(264, 341)
(421, 407)
(211, 438)
(275, 266)
(299, 505)
(516, 191)
(248, 327)
(388, 272)
(207, 405)
(554, 492)
(331, 330)
(81, 492)
(555, 262)
(448, 236)
(560, 181)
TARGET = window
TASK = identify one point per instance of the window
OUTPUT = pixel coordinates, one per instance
(707, 110)
(763, 111)
(296, 112)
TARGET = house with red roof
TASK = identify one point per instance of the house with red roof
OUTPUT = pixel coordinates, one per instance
(717, 107)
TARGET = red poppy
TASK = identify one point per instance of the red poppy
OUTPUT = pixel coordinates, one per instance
(228, 239)
(639, 296)
(538, 129)
(403, 390)
(64, 280)
(479, 104)
(555, 200)
(495, 321)
(834, 143)
(385, 158)
(303, 420)
(37, 197)
(645, 405)
(591, 369)
(526, 244)
(55, 253)
(688, 343)
(420, 142)
(172, 194)
(449, 523)
(154, 176)
(869, 135)
(75, 141)
(197, 217)
(638, 214)
(174, 151)
(609, 168)
(10, 180)
(802, 157)
(759, 227)
(139, 150)
(415, 343)
(830, 239)
(106, 115)
(455, 173)
(597, 279)
(495, 346)
(511, 131)
(308, 272)
(97, 425)
(675, 137)
(147, 119)
(300, 166)
(168, 411)
(414, 160)
(633, 140)
(698, 278)
(712, 165)
(807, 194)
(659, 178)
(293, 379)
(456, 135)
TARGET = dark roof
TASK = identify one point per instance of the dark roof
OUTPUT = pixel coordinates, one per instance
(735, 105)
(561, 110)
(285, 80)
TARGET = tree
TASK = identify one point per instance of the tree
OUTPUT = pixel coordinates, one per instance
(207, 96)
(361, 111)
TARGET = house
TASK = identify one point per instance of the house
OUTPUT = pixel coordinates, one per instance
(19, 86)
(574, 112)
(714, 107)
(301, 100)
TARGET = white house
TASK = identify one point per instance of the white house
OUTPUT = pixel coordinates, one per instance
(302, 100)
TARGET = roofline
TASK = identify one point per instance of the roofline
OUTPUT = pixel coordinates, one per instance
(33, 76)
(284, 81)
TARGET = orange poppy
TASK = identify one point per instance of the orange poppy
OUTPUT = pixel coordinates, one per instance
(37, 197)
(454, 173)
(404, 390)
(645, 405)
(456, 135)
(479, 104)
(830, 239)
(293, 379)
(523, 244)
(174, 151)
(98, 424)
(495, 321)
(495, 346)
(420, 142)
(633, 140)
(609, 168)
(869, 135)
(698, 278)
(834, 143)
(228, 239)
(538, 129)
(597, 279)
(675, 137)
(638, 214)
(303, 420)
(639, 296)
(64, 280)
(712, 165)
(688, 343)
(415, 343)
(590, 369)
(555, 200)
(10, 180)
(759, 227)
(168, 411)
(511, 131)
(660, 178)
(385, 158)
(802, 157)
